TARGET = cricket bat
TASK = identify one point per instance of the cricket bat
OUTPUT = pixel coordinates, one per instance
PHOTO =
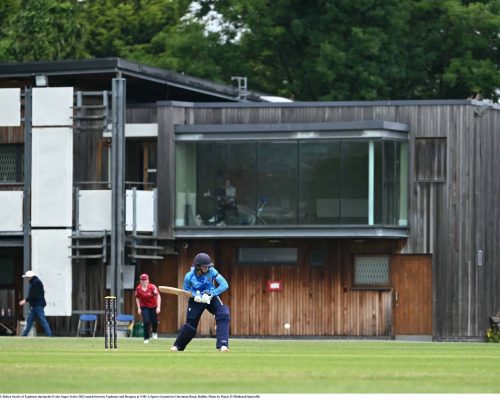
(174, 291)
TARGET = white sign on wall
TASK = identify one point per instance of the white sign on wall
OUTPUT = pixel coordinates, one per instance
(52, 177)
(10, 107)
(52, 264)
(52, 106)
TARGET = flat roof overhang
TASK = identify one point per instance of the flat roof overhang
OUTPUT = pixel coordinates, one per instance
(113, 67)
(316, 104)
(361, 232)
(298, 131)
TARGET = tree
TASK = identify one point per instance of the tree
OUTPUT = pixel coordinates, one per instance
(44, 30)
(159, 33)
(8, 9)
(317, 49)
(367, 49)
(302, 49)
(120, 27)
(459, 42)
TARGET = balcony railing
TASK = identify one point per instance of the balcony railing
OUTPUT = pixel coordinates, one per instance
(93, 209)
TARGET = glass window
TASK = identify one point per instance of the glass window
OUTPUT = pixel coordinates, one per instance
(225, 183)
(185, 185)
(277, 183)
(395, 183)
(140, 168)
(150, 163)
(7, 272)
(235, 188)
(291, 182)
(354, 182)
(391, 193)
(205, 182)
(403, 184)
(371, 270)
(377, 181)
(319, 183)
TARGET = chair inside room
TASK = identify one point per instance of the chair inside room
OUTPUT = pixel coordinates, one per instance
(87, 324)
(125, 323)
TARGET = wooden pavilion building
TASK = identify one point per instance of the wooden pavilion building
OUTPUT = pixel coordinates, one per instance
(350, 219)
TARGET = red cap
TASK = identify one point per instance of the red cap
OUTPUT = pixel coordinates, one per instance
(144, 277)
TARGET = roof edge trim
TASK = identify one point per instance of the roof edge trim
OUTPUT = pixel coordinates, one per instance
(294, 127)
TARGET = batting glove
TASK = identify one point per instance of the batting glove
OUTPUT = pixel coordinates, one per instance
(206, 298)
(198, 297)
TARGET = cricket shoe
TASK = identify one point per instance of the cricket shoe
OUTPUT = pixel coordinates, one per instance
(174, 348)
(154, 335)
(146, 341)
(224, 348)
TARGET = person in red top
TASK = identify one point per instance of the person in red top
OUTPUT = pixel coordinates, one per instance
(148, 300)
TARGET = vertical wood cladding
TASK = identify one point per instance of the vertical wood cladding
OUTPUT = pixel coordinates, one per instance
(454, 199)
(314, 300)
(430, 159)
(89, 291)
(11, 135)
(141, 115)
(454, 213)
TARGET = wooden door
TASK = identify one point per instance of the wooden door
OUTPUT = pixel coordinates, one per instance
(411, 277)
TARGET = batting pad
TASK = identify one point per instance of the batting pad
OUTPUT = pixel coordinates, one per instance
(222, 319)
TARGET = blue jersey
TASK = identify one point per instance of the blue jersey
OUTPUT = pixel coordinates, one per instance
(205, 283)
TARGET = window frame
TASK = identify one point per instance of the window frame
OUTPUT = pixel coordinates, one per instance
(370, 131)
(375, 286)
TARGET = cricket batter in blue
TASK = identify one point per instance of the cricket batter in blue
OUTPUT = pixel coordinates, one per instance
(204, 296)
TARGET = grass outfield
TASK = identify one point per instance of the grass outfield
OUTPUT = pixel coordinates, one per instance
(81, 365)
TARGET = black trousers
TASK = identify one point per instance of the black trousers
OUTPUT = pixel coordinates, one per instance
(149, 320)
(195, 310)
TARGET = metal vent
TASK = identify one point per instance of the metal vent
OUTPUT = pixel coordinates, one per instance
(267, 255)
(8, 163)
(371, 270)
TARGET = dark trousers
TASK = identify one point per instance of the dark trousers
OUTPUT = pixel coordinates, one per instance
(195, 310)
(149, 317)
